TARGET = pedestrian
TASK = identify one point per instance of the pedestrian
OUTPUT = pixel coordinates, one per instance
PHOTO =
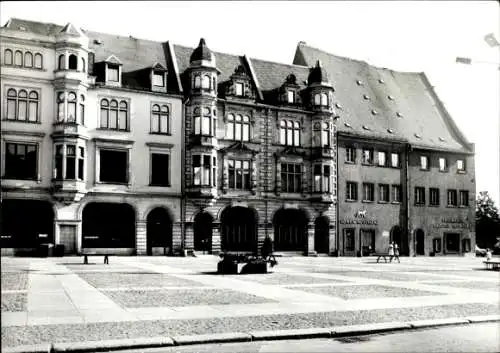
(391, 251)
(488, 255)
(396, 252)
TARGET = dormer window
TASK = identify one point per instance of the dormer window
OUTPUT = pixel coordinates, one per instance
(113, 73)
(158, 79)
(291, 97)
(239, 89)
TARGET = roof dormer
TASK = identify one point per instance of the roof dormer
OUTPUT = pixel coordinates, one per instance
(239, 84)
(109, 71)
(158, 78)
(289, 92)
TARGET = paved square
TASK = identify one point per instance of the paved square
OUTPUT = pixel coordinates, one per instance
(61, 300)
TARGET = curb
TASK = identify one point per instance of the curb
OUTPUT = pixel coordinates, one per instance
(270, 335)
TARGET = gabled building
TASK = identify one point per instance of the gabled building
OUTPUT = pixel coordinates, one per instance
(145, 147)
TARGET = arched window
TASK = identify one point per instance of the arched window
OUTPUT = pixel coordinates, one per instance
(230, 127)
(246, 129)
(290, 133)
(22, 105)
(11, 104)
(317, 99)
(197, 120)
(205, 83)
(60, 106)
(283, 132)
(61, 64)
(73, 62)
(113, 114)
(33, 106)
(324, 99)
(160, 119)
(82, 109)
(7, 57)
(104, 113)
(83, 65)
(206, 122)
(197, 81)
(71, 107)
(123, 116)
(18, 58)
(28, 59)
(296, 133)
(316, 141)
(38, 61)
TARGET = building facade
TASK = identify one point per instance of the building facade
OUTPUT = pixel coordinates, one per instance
(139, 147)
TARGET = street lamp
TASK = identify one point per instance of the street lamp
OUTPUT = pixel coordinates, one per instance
(492, 42)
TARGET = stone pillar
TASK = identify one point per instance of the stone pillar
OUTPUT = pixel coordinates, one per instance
(141, 238)
(261, 235)
(216, 238)
(189, 236)
(310, 240)
(176, 238)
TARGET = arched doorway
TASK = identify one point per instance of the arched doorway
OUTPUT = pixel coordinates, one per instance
(203, 232)
(290, 230)
(159, 232)
(396, 233)
(108, 225)
(26, 223)
(239, 229)
(322, 235)
(420, 240)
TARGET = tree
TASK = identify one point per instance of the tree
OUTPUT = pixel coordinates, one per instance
(487, 221)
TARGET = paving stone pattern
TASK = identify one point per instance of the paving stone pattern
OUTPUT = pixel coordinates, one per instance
(12, 302)
(124, 280)
(14, 280)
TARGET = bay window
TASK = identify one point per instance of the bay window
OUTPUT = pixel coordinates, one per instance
(322, 174)
(204, 170)
(321, 134)
(68, 164)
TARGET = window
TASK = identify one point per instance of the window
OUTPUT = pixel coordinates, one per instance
(82, 109)
(381, 159)
(160, 119)
(461, 166)
(321, 134)
(61, 62)
(21, 161)
(396, 193)
(349, 239)
(197, 81)
(238, 128)
(38, 61)
(419, 196)
(73, 62)
(424, 163)
(205, 82)
(436, 245)
(291, 96)
(321, 178)
(61, 113)
(291, 177)
(350, 155)
(290, 133)
(466, 245)
(239, 174)
(81, 163)
(367, 156)
(452, 198)
(317, 99)
(434, 196)
(367, 237)
(203, 125)
(70, 161)
(204, 170)
(114, 115)
(18, 58)
(368, 192)
(395, 160)
(113, 166)
(28, 59)
(160, 169)
(351, 191)
(158, 79)
(83, 64)
(239, 89)
(71, 107)
(464, 198)
(452, 242)
(443, 166)
(7, 57)
(22, 106)
(113, 73)
(383, 193)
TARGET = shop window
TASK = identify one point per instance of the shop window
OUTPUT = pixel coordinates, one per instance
(452, 242)
(113, 166)
(367, 241)
(160, 169)
(21, 161)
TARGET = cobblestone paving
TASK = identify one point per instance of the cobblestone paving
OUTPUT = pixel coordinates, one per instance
(185, 297)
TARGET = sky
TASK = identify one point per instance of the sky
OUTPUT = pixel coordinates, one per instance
(401, 35)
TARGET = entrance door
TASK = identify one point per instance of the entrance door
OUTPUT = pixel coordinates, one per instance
(367, 237)
(159, 232)
(203, 232)
(452, 243)
(321, 235)
(68, 238)
(349, 242)
(290, 230)
(420, 239)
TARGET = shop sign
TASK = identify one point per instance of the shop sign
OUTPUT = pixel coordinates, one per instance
(359, 218)
(454, 223)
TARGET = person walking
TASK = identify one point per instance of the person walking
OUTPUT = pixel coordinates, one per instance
(391, 251)
(396, 252)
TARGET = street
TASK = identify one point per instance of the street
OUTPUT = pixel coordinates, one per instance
(470, 338)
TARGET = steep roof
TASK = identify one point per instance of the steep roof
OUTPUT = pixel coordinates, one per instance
(372, 100)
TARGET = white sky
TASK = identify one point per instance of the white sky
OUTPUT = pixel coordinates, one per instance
(406, 36)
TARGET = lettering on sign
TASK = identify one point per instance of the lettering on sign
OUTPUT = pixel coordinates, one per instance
(454, 223)
(359, 221)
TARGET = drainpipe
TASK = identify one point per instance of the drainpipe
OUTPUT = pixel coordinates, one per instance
(183, 180)
(410, 235)
(336, 201)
